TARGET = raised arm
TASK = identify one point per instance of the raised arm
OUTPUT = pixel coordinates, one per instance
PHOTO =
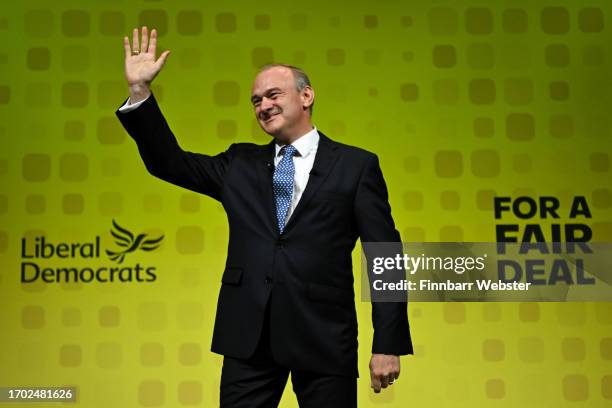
(159, 149)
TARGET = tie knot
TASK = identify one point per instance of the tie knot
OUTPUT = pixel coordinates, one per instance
(288, 150)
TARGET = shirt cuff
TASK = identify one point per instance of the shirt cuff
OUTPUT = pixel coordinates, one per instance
(127, 107)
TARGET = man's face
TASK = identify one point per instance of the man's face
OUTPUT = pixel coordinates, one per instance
(279, 107)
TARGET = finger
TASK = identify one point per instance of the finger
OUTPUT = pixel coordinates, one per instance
(162, 59)
(153, 42)
(376, 385)
(135, 45)
(391, 379)
(144, 44)
(397, 374)
(384, 381)
(375, 382)
(126, 46)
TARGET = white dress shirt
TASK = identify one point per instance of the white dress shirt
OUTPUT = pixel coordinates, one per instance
(303, 161)
(306, 146)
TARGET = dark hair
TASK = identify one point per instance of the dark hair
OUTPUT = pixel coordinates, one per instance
(301, 79)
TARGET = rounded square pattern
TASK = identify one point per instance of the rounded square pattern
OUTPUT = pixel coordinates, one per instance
(518, 125)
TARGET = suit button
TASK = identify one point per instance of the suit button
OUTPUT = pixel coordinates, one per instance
(280, 244)
(268, 280)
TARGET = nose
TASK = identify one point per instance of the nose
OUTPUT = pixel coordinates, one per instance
(266, 103)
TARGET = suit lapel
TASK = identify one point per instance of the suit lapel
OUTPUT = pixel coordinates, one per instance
(265, 170)
(323, 163)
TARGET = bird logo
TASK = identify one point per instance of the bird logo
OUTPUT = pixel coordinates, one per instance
(130, 243)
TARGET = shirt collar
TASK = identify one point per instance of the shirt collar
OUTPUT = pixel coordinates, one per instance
(305, 144)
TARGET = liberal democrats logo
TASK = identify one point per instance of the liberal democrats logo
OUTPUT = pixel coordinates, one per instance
(126, 239)
(40, 258)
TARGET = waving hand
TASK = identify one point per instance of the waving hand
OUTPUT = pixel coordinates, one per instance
(141, 65)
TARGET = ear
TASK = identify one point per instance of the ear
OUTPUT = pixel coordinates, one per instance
(307, 96)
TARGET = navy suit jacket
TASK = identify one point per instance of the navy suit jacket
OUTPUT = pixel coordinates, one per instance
(304, 275)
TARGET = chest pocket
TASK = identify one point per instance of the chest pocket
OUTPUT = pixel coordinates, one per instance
(324, 195)
(332, 204)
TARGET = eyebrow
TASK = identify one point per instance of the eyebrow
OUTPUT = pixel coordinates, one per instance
(267, 92)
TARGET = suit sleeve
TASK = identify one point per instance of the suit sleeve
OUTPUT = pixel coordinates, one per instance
(164, 158)
(375, 224)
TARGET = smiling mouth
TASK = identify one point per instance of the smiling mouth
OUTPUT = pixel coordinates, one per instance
(270, 118)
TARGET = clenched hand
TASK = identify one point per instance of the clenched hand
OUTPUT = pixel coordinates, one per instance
(384, 370)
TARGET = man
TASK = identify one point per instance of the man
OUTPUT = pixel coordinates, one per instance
(295, 207)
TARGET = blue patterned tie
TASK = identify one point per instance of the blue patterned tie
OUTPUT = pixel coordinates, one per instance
(282, 182)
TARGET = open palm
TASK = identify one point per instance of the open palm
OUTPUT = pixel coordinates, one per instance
(142, 67)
